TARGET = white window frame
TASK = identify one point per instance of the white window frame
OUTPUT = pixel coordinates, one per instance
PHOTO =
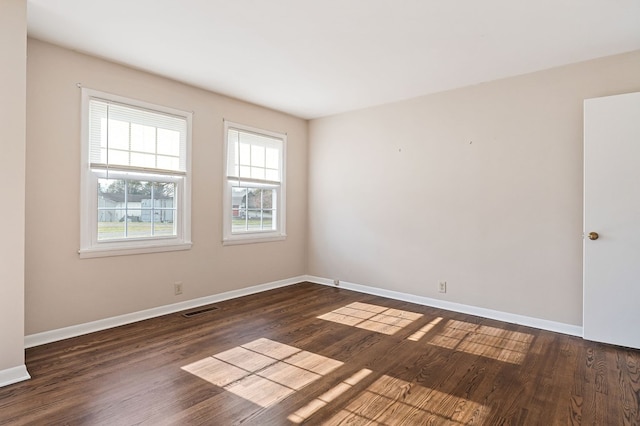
(258, 236)
(90, 246)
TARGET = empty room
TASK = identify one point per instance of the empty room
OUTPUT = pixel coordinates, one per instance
(340, 212)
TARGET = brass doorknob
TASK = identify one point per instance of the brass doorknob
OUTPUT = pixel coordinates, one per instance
(593, 235)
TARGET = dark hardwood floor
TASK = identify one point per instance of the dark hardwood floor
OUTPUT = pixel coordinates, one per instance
(320, 355)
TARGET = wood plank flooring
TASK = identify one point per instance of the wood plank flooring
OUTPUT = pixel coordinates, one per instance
(319, 355)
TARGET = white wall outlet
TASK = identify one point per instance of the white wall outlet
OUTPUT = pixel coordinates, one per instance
(177, 287)
(442, 286)
(336, 282)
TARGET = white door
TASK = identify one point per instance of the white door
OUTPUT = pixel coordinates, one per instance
(612, 210)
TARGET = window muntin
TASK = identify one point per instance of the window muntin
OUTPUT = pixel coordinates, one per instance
(136, 195)
(254, 189)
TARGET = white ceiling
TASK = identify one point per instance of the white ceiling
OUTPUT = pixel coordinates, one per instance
(317, 58)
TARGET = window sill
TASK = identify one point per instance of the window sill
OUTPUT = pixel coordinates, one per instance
(252, 239)
(124, 251)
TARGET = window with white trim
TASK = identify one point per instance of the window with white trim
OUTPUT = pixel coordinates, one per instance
(135, 176)
(254, 192)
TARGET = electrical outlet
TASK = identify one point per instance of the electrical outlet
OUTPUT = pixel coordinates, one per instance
(336, 283)
(177, 287)
(442, 286)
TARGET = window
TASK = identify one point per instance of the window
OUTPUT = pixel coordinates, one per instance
(135, 177)
(254, 195)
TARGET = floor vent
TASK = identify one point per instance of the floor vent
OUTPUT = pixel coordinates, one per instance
(199, 311)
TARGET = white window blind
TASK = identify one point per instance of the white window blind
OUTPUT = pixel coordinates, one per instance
(254, 158)
(124, 138)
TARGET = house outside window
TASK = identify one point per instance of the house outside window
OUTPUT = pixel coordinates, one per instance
(254, 191)
(135, 176)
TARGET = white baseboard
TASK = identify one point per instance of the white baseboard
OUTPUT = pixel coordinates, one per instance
(542, 324)
(13, 375)
(103, 324)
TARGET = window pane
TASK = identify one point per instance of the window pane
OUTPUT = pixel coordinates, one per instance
(143, 160)
(245, 154)
(267, 219)
(111, 224)
(138, 188)
(238, 207)
(136, 228)
(118, 135)
(257, 156)
(118, 157)
(111, 209)
(168, 142)
(255, 220)
(257, 173)
(245, 171)
(268, 197)
(239, 224)
(136, 192)
(143, 138)
(171, 163)
(253, 197)
(164, 190)
(162, 226)
(110, 187)
(146, 209)
(272, 158)
(164, 211)
(272, 175)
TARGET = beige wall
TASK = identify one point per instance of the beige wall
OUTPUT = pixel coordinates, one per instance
(13, 45)
(63, 290)
(481, 187)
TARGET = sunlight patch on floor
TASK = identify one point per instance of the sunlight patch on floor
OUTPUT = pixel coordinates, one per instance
(424, 330)
(390, 400)
(305, 412)
(372, 317)
(490, 342)
(263, 371)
